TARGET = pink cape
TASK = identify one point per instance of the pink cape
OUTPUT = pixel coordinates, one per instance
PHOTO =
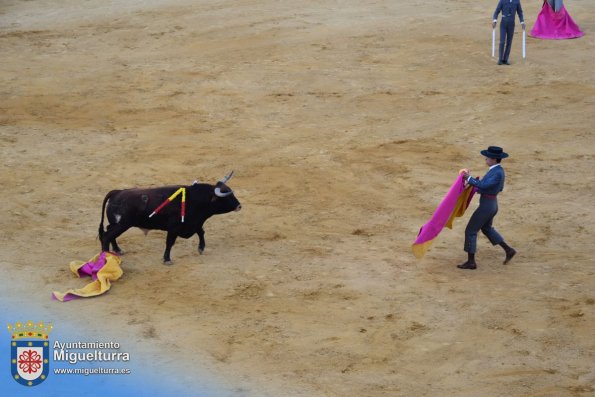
(555, 25)
(453, 205)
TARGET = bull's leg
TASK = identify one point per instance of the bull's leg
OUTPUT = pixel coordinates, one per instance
(116, 248)
(114, 243)
(113, 231)
(201, 240)
(169, 242)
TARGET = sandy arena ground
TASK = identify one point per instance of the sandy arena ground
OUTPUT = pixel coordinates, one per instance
(346, 122)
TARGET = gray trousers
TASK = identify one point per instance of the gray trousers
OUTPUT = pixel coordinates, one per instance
(482, 220)
(506, 34)
(556, 4)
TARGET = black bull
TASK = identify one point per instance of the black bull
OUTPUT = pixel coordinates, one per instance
(132, 207)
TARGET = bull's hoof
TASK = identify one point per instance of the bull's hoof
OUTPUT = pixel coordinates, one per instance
(200, 251)
(119, 252)
(168, 263)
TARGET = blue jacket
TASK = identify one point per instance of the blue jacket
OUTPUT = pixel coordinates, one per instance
(509, 8)
(491, 183)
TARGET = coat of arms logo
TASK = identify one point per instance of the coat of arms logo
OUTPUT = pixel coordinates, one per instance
(29, 352)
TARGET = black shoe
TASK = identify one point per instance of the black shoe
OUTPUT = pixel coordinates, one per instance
(506, 63)
(500, 62)
(468, 265)
(509, 255)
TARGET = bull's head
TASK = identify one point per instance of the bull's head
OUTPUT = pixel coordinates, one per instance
(224, 199)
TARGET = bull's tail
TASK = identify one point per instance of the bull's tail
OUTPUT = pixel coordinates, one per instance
(105, 200)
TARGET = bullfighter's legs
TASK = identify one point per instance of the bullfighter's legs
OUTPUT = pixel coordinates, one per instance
(169, 242)
(502, 41)
(510, 252)
(470, 264)
(496, 239)
(509, 36)
(480, 220)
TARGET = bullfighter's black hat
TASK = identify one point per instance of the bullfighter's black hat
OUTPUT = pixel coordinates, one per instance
(494, 152)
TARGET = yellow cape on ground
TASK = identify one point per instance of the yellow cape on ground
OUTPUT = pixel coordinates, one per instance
(103, 267)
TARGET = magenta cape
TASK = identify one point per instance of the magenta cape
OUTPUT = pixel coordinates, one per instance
(555, 25)
(453, 205)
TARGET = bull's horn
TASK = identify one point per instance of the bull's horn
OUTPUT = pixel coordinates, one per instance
(219, 193)
(227, 177)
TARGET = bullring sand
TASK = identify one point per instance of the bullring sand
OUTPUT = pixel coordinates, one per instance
(346, 122)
